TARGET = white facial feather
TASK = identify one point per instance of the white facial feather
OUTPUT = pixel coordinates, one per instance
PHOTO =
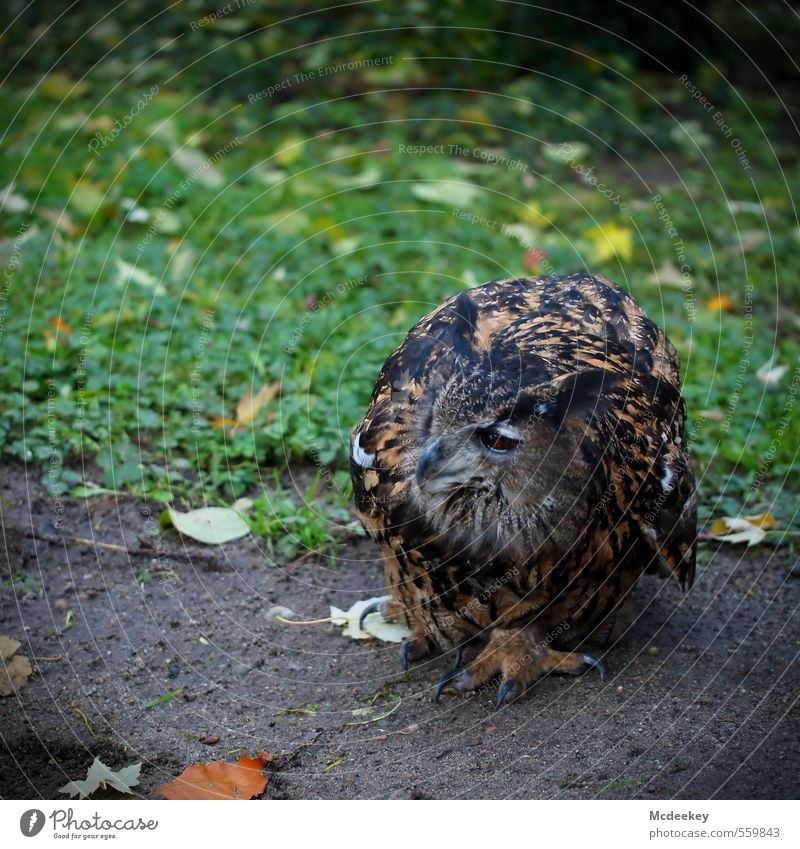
(360, 456)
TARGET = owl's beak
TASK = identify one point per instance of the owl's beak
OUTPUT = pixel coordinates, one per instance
(429, 460)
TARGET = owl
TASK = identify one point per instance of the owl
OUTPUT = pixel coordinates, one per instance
(521, 464)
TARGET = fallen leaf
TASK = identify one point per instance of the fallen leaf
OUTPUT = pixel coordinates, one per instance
(566, 152)
(374, 625)
(61, 325)
(668, 274)
(8, 646)
(610, 240)
(99, 777)
(720, 303)
(198, 166)
(749, 529)
(446, 192)
(222, 422)
(59, 218)
(769, 374)
(531, 260)
(763, 520)
(87, 198)
(210, 525)
(12, 202)
(370, 176)
(128, 273)
(14, 675)
(15, 669)
(250, 406)
(59, 86)
(243, 505)
(220, 780)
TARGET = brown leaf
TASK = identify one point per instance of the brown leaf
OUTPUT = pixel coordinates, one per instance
(220, 780)
(249, 407)
(720, 303)
(8, 645)
(14, 675)
(222, 422)
(61, 325)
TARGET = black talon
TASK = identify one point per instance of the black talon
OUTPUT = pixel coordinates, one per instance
(405, 654)
(445, 680)
(596, 663)
(448, 676)
(505, 688)
(375, 607)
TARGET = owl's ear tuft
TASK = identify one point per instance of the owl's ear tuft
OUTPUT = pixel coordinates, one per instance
(583, 393)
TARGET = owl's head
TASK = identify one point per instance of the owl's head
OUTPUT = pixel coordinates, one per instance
(491, 472)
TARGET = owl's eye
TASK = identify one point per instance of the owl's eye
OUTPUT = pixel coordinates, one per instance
(499, 442)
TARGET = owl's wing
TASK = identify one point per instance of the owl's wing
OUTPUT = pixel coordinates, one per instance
(668, 519)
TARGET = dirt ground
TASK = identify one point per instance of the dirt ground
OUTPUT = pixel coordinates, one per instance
(700, 702)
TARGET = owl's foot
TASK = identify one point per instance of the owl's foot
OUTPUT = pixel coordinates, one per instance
(518, 659)
(389, 610)
(415, 647)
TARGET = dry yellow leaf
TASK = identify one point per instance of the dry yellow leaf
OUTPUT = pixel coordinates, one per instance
(719, 527)
(250, 405)
(720, 303)
(763, 520)
(749, 529)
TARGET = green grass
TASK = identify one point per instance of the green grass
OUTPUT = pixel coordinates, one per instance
(315, 240)
(293, 529)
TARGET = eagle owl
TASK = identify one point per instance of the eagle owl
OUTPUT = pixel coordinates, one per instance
(522, 462)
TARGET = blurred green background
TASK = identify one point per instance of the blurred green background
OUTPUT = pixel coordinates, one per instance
(217, 221)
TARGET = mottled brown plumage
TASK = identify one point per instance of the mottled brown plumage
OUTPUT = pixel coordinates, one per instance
(521, 464)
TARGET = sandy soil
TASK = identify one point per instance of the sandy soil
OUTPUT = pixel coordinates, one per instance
(701, 700)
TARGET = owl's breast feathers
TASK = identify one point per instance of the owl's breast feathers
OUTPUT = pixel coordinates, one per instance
(481, 349)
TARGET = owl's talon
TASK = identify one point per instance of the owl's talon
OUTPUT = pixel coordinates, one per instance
(506, 687)
(445, 680)
(405, 655)
(375, 607)
(595, 663)
(448, 676)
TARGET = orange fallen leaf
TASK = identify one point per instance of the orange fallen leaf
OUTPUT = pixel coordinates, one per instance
(222, 422)
(61, 325)
(720, 303)
(250, 405)
(533, 259)
(220, 780)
